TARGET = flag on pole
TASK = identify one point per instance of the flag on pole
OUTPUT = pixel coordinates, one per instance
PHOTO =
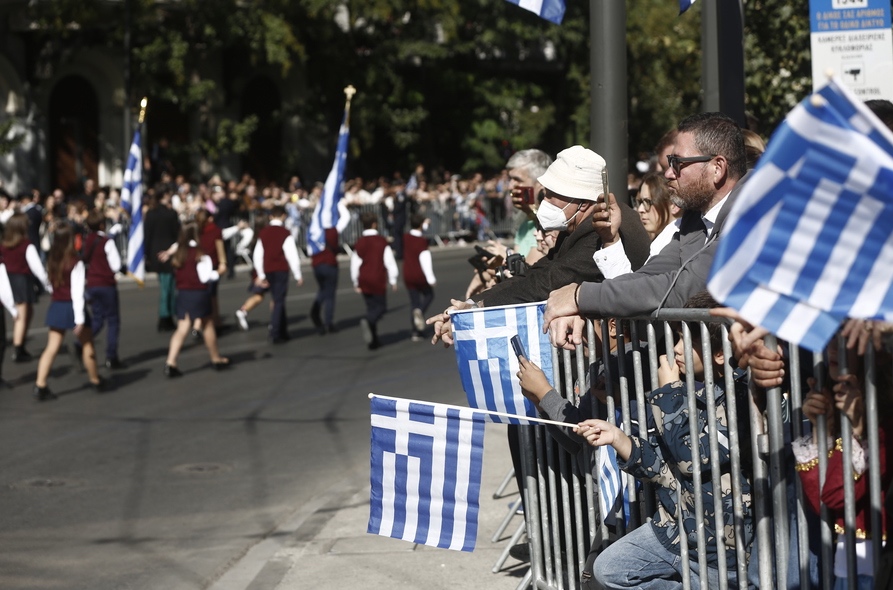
(487, 363)
(685, 5)
(426, 462)
(132, 201)
(327, 214)
(551, 10)
(808, 241)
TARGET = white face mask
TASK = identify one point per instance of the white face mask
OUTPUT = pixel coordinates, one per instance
(551, 217)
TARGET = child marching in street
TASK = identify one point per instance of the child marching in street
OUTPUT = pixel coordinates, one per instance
(274, 254)
(102, 260)
(67, 311)
(192, 271)
(23, 266)
(372, 268)
(418, 273)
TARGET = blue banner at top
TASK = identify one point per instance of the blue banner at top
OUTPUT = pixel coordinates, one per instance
(830, 16)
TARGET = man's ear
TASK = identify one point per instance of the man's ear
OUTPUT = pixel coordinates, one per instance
(720, 170)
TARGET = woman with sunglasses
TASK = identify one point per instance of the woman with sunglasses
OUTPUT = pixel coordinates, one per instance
(657, 212)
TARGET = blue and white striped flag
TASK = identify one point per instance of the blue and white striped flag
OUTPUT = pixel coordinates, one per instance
(685, 5)
(808, 241)
(426, 462)
(611, 480)
(326, 214)
(551, 10)
(487, 363)
(132, 201)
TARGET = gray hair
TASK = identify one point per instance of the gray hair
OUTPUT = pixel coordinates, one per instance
(534, 161)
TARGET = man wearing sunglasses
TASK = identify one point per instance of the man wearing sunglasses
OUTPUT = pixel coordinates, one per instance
(708, 161)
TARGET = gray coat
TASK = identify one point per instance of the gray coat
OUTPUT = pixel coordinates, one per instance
(666, 280)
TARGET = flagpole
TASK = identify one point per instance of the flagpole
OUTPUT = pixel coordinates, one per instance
(491, 412)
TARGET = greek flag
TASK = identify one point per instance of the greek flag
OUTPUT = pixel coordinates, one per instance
(685, 5)
(551, 10)
(426, 462)
(611, 481)
(487, 363)
(808, 241)
(326, 214)
(132, 201)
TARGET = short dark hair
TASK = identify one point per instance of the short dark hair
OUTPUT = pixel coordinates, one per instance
(368, 219)
(717, 134)
(704, 300)
(96, 220)
(277, 211)
(417, 220)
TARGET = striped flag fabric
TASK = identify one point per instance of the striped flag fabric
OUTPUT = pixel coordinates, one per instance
(611, 482)
(551, 10)
(685, 5)
(326, 214)
(487, 363)
(426, 463)
(132, 201)
(808, 241)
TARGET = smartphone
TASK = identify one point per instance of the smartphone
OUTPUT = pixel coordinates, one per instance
(527, 194)
(605, 182)
(479, 263)
(518, 347)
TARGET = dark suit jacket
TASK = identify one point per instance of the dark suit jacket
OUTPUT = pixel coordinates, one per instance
(668, 279)
(161, 229)
(570, 261)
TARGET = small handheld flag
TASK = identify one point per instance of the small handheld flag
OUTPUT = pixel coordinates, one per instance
(808, 241)
(487, 363)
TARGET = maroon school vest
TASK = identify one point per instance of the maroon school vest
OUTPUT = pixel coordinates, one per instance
(373, 274)
(413, 275)
(273, 237)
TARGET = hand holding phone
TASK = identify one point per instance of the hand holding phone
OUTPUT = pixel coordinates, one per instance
(518, 347)
(523, 195)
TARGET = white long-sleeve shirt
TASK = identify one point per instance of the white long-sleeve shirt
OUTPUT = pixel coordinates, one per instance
(78, 279)
(6, 297)
(289, 248)
(425, 261)
(32, 257)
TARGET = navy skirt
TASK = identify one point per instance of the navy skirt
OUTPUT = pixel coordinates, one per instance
(196, 303)
(60, 316)
(23, 288)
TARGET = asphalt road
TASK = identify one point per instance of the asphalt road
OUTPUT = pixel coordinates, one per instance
(166, 483)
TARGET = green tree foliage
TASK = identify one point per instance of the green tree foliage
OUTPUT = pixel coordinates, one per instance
(453, 83)
(778, 68)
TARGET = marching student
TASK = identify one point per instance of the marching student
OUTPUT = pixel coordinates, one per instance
(256, 291)
(211, 242)
(325, 269)
(274, 254)
(193, 270)
(418, 273)
(23, 265)
(102, 261)
(67, 311)
(372, 268)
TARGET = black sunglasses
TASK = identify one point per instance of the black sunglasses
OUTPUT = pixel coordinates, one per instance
(642, 202)
(677, 162)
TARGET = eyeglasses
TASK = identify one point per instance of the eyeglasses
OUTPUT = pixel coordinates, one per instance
(646, 203)
(677, 162)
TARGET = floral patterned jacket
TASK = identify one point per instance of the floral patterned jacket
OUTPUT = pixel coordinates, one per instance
(665, 458)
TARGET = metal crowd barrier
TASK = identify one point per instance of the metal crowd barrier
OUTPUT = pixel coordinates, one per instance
(560, 491)
(449, 224)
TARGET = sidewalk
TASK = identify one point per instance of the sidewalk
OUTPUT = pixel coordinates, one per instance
(330, 549)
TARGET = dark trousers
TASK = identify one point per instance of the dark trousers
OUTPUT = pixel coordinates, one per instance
(419, 299)
(278, 290)
(105, 310)
(376, 306)
(327, 279)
